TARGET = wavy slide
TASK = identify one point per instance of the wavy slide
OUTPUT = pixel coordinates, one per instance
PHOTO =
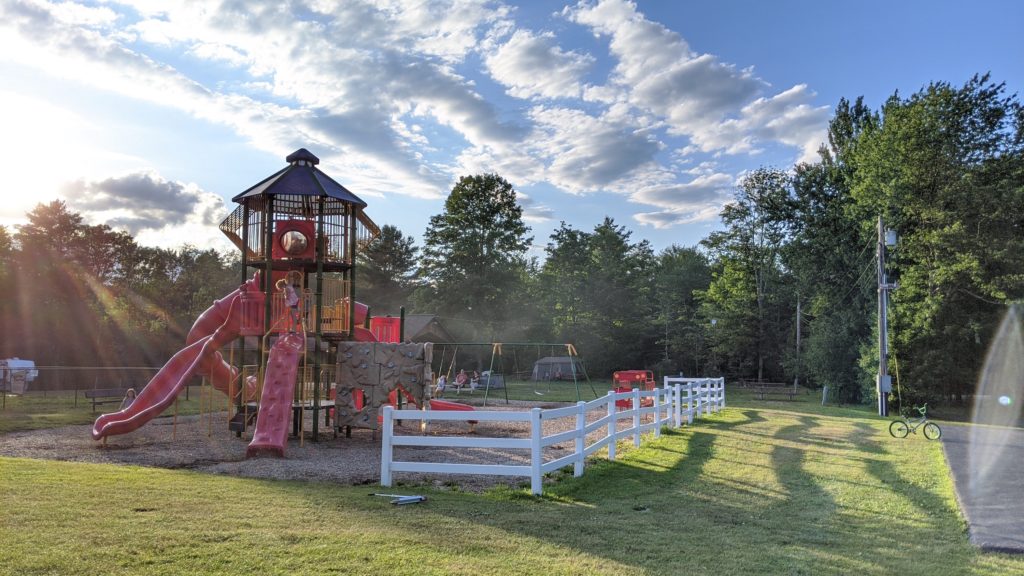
(214, 328)
(271, 432)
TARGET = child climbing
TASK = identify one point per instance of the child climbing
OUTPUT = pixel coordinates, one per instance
(288, 285)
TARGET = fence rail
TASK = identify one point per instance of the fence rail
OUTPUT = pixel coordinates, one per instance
(679, 402)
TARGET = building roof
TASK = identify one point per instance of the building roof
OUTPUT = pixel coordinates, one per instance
(425, 328)
(301, 178)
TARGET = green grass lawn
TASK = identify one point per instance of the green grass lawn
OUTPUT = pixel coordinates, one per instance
(762, 488)
(34, 411)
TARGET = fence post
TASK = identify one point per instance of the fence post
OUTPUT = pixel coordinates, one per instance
(670, 406)
(636, 417)
(581, 425)
(386, 447)
(666, 405)
(613, 424)
(657, 413)
(689, 402)
(721, 383)
(678, 402)
(536, 455)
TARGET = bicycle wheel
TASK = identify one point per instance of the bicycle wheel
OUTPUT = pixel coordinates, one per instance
(899, 429)
(932, 431)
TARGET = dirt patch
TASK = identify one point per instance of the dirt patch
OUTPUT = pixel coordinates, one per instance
(204, 444)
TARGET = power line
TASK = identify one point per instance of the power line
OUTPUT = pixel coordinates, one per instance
(856, 284)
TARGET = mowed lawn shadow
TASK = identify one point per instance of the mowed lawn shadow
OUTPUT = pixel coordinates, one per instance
(807, 519)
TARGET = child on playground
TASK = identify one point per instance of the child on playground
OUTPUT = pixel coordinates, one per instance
(129, 397)
(291, 296)
(442, 383)
(474, 381)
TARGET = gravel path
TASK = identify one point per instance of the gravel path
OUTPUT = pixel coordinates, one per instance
(204, 444)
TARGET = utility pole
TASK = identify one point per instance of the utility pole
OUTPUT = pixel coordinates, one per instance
(796, 379)
(883, 383)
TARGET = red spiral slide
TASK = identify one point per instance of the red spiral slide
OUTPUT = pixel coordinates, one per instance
(214, 328)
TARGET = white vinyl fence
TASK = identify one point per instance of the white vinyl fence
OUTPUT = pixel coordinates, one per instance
(679, 402)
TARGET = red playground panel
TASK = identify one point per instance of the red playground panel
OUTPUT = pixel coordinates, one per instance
(386, 328)
(628, 380)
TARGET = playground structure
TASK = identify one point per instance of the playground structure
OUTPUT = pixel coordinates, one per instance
(628, 380)
(502, 363)
(292, 322)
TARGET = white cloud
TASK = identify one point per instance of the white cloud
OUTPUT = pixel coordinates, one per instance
(330, 71)
(788, 118)
(153, 209)
(701, 191)
(588, 153)
(78, 14)
(698, 200)
(573, 150)
(359, 80)
(449, 30)
(534, 211)
(716, 105)
(534, 65)
(671, 218)
(222, 52)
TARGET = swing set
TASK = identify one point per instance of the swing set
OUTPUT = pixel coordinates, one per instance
(504, 366)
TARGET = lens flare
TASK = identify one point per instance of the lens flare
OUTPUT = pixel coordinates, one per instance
(1000, 381)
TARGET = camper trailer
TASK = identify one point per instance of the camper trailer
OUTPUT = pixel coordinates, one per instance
(15, 375)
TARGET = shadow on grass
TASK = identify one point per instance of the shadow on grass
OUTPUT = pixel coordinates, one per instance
(671, 507)
(749, 417)
(798, 529)
(808, 509)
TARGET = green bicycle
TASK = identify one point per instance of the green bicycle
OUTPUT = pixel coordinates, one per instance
(900, 428)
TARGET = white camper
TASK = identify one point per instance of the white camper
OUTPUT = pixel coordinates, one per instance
(15, 375)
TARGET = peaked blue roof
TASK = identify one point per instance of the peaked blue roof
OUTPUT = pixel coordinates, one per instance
(301, 178)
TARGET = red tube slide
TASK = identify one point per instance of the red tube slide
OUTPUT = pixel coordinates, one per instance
(214, 328)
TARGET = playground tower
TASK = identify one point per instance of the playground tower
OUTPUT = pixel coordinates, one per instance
(301, 220)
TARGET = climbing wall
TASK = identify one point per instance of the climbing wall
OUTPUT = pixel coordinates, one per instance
(368, 372)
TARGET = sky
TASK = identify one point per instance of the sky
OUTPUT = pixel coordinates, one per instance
(149, 115)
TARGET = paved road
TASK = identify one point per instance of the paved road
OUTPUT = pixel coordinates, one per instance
(993, 503)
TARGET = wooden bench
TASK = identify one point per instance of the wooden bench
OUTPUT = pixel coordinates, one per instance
(105, 396)
(765, 389)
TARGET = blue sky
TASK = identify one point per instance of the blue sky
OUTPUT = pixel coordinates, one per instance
(150, 115)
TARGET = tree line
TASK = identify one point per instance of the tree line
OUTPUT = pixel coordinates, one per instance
(796, 255)
(87, 295)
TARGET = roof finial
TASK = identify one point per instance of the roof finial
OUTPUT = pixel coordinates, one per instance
(302, 155)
